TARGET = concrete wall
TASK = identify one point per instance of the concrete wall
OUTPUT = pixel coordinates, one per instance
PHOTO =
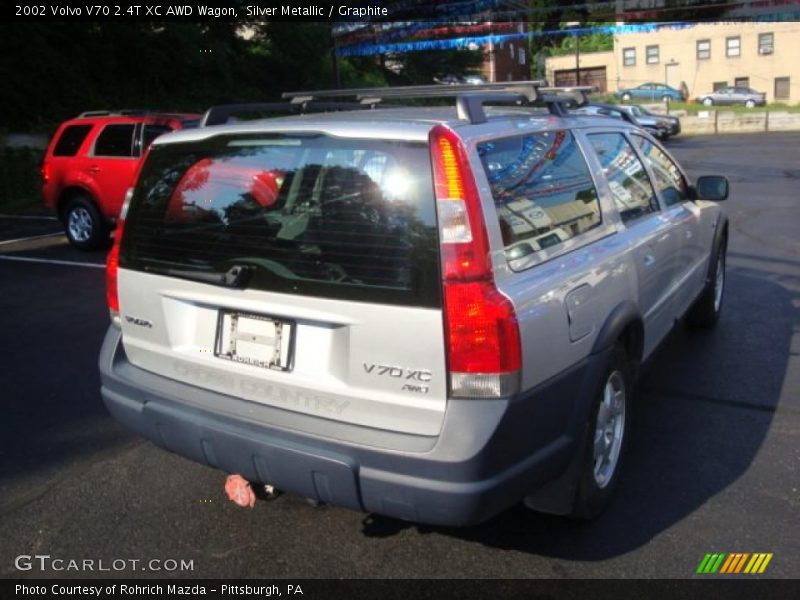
(731, 122)
(679, 48)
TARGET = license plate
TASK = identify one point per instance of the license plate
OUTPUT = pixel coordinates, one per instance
(256, 340)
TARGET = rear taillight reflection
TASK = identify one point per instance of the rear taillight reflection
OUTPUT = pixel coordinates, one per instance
(112, 267)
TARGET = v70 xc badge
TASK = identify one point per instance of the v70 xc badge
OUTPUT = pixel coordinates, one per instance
(398, 372)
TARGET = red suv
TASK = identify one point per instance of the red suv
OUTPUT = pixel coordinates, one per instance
(91, 162)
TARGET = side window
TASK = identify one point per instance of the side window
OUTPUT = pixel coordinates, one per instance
(542, 189)
(149, 133)
(71, 139)
(115, 140)
(627, 178)
(668, 178)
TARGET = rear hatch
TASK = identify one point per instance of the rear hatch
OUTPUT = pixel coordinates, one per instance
(290, 269)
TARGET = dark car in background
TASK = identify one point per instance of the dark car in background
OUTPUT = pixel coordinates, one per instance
(658, 128)
(648, 118)
(732, 95)
(651, 91)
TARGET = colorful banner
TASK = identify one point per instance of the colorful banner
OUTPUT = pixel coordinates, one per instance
(460, 43)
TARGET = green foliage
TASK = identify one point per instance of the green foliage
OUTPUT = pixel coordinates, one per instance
(52, 71)
(19, 172)
(595, 42)
(419, 68)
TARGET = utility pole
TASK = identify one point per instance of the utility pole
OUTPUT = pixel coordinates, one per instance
(335, 59)
(577, 60)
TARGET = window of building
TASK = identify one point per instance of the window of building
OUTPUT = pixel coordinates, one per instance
(741, 82)
(629, 57)
(733, 47)
(542, 188)
(652, 55)
(703, 49)
(521, 56)
(718, 85)
(766, 43)
(115, 140)
(628, 181)
(667, 176)
(781, 88)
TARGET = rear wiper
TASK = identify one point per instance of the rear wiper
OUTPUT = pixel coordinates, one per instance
(235, 277)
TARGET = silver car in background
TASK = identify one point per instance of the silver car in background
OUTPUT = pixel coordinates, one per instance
(728, 96)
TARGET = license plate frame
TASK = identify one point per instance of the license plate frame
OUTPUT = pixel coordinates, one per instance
(242, 337)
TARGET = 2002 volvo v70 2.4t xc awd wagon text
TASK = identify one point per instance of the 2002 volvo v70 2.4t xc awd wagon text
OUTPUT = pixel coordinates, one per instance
(426, 312)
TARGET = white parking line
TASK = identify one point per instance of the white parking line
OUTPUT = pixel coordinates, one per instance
(43, 218)
(32, 237)
(48, 261)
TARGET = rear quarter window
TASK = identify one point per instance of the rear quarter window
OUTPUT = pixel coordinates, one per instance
(542, 189)
(71, 139)
(115, 140)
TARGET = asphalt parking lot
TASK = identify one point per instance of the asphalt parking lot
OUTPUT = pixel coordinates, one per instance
(713, 467)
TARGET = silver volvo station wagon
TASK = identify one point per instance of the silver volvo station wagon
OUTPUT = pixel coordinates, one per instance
(426, 312)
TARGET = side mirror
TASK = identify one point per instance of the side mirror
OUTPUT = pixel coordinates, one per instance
(712, 187)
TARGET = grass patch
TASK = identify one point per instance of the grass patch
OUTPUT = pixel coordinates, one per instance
(696, 107)
(19, 172)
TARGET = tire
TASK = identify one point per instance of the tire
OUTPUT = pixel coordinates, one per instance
(706, 310)
(84, 225)
(708, 102)
(666, 98)
(606, 445)
(749, 104)
(626, 97)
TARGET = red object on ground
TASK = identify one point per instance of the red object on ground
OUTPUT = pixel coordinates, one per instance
(239, 491)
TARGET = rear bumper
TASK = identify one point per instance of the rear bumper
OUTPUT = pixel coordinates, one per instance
(488, 456)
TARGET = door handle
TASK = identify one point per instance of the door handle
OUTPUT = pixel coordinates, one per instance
(649, 260)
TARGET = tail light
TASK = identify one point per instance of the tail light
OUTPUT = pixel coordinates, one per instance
(112, 264)
(482, 336)
(45, 171)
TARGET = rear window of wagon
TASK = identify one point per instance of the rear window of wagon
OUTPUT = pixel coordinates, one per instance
(308, 213)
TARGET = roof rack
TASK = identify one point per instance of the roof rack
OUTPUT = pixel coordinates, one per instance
(219, 115)
(130, 112)
(125, 112)
(470, 98)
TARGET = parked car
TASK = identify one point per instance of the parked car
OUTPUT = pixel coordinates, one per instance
(674, 122)
(473, 79)
(728, 96)
(659, 128)
(651, 91)
(92, 161)
(662, 126)
(374, 333)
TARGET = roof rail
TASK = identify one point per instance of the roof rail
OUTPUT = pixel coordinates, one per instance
(219, 115)
(111, 113)
(469, 97)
